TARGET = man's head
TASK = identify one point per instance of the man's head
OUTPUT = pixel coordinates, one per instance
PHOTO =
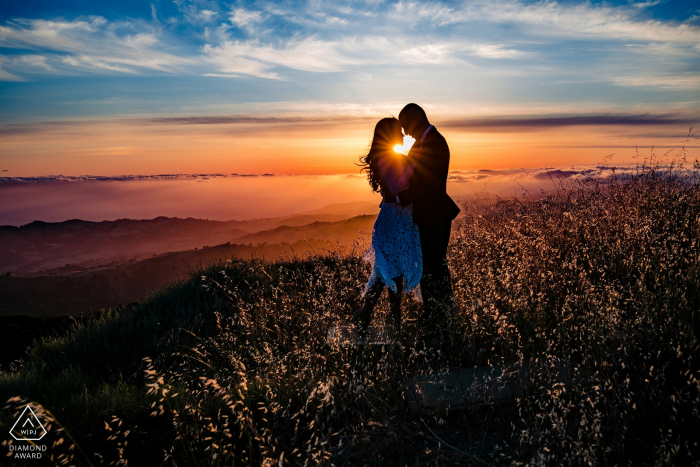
(413, 120)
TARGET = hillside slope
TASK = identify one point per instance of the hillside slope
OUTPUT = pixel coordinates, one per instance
(73, 291)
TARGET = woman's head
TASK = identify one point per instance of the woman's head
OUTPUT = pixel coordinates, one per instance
(387, 134)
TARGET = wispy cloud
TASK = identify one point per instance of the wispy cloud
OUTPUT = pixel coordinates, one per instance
(449, 53)
(90, 43)
(405, 33)
(198, 12)
(122, 178)
(430, 53)
(645, 4)
(434, 12)
(322, 37)
(355, 116)
(240, 119)
(243, 18)
(258, 59)
(582, 21)
(495, 51)
(4, 75)
(577, 120)
(676, 81)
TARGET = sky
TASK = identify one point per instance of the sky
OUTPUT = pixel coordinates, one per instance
(295, 87)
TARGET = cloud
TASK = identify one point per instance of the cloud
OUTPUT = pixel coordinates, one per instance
(245, 18)
(52, 35)
(90, 43)
(495, 51)
(377, 41)
(443, 52)
(548, 18)
(581, 20)
(575, 120)
(125, 46)
(206, 15)
(645, 4)
(47, 127)
(398, 38)
(29, 62)
(352, 114)
(235, 119)
(436, 13)
(198, 12)
(678, 80)
(431, 53)
(122, 178)
(4, 75)
(259, 59)
(312, 54)
(232, 58)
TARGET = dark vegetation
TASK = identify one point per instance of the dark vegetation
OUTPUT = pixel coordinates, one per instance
(232, 366)
(18, 333)
(118, 285)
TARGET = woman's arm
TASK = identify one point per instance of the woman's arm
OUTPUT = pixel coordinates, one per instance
(406, 176)
(396, 172)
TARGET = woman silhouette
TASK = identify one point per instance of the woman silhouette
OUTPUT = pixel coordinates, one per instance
(396, 251)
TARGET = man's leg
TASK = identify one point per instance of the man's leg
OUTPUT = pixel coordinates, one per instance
(436, 322)
(436, 284)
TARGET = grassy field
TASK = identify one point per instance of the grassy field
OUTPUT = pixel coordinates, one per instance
(232, 366)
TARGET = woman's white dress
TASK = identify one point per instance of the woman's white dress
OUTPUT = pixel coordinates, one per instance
(395, 250)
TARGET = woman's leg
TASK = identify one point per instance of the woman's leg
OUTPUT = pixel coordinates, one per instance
(395, 303)
(363, 316)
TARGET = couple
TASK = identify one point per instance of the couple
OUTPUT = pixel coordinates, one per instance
(412, 230)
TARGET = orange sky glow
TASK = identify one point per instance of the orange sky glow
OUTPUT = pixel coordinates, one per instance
(128, 147)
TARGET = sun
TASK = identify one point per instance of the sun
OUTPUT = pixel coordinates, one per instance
(406, 146)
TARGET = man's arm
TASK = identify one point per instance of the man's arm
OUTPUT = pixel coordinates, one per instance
(406, 197)
(436, 165)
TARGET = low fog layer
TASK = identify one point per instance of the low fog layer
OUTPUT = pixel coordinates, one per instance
(234, 196)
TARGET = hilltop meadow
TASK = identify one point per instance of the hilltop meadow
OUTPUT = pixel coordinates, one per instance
(595, 289)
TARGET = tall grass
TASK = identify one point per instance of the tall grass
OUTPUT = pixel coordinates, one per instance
(599, 282)
(606, 276)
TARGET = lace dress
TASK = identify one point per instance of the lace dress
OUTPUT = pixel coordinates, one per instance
(395, 250)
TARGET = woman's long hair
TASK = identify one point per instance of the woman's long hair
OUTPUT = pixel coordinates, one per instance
(385, 138)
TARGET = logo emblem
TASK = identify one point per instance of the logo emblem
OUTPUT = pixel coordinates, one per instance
(28, 427)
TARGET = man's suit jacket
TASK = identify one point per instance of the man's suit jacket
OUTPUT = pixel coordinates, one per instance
(428, 184)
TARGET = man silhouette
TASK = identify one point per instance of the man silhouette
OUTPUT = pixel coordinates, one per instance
(433, 209)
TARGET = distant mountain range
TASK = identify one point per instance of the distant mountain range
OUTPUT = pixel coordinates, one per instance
(74, 267)
(76, 245)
